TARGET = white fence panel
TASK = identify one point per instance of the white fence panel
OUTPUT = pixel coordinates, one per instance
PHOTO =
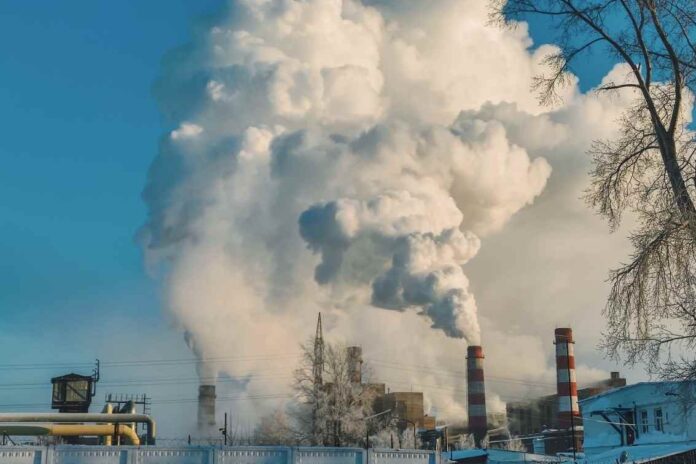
(21, 455)
(156, 455)
(69, 454)
(87, 455)
(319, 455)
(401, 457)
(254, 455)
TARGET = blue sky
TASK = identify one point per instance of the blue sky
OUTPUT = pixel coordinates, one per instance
(79, 129)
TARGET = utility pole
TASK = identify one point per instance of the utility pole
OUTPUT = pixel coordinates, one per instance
(224, 431)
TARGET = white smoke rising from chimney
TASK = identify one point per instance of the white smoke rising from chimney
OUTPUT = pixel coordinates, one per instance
(353, 129)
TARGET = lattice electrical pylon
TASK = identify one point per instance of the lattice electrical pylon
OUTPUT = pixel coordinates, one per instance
(318, 366)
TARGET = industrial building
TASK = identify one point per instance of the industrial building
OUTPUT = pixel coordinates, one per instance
(72, 396)
(535, 415)
(646, 413)
(406, 408)
(553, 423)
(73, 392)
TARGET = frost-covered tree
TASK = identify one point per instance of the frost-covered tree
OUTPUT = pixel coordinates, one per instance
(465, 441)
(386, 437)
(274, 429)
(649, 168)
(332, 412)
(514, 444)
(407, 440)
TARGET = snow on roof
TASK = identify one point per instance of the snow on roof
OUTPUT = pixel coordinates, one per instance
(499, 455)
(641, 453)
(613, 391)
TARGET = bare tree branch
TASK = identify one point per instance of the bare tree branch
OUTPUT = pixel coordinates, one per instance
(649, 168)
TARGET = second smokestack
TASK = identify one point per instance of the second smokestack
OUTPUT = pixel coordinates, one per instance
(206, 409)
(478, 421)
(568, 409)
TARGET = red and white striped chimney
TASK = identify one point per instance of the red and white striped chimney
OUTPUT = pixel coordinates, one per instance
(476, 390)
(568, 409)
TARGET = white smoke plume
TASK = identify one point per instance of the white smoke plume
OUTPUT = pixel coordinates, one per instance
(348, 156)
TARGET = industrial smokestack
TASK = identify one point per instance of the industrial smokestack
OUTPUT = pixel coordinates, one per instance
(206, 408)
(478, 422)
(568, 409)
(354, 355)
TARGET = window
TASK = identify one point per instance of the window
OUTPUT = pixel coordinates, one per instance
(76, 390)
(658, 420)
(57, 393)
(644, 421)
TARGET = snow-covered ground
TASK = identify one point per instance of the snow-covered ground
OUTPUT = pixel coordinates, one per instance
(640, 453)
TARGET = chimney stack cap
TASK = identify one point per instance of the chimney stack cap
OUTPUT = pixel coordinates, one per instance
(474, 351)
(564, 334)
(206, 390)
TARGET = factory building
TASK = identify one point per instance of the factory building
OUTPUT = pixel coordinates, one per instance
(534, 415)
(407, 408)
(553, 423)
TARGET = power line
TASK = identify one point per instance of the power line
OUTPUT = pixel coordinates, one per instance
(149, 362)
(459, 374)
(155, 381)
(228, 359)
(222, 398)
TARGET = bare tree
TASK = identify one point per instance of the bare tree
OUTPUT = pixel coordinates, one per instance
(648, 169)
(331, 413)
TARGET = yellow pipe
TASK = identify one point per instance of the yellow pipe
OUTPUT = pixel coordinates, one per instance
(79, 418)
(108, 409)
(73, 430)
(76, 430)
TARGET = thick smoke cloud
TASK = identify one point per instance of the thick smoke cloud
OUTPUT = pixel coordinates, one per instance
(353, 157)
(444, 185)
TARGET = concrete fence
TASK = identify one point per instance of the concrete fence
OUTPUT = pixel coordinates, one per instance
(68, 454)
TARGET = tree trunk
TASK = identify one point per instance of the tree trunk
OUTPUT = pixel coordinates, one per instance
(668, 151)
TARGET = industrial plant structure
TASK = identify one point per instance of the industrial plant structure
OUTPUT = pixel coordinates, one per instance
(547, 425)
(553, 423)
(72, 396)
(476, 393)
(206, 409)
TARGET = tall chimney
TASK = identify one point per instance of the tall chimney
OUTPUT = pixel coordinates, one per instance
(568, 409)
(206, 409)
(354, 355)
(478, 422)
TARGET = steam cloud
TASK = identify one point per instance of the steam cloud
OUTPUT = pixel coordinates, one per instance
(346, 156)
